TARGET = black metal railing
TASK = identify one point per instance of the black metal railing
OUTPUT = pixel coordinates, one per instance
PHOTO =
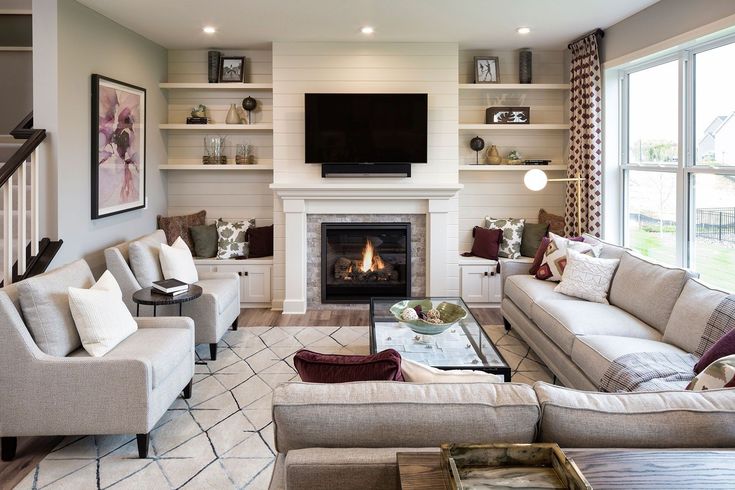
(716, 224)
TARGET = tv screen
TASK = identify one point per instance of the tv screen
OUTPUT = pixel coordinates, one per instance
(366, 128)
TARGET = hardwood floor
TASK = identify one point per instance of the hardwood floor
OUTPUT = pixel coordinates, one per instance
(31, 450)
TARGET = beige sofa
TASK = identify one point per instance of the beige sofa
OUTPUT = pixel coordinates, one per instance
(652, 309)
(347, 435)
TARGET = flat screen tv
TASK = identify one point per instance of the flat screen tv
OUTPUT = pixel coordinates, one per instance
(366, 128)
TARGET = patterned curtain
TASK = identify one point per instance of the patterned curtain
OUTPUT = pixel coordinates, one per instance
(585, 136)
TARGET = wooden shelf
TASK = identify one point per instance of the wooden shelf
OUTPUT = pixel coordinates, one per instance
(263, 127)
(510, 168)
(215, 86)
(215, 168)
(514, 86)
(513, 127)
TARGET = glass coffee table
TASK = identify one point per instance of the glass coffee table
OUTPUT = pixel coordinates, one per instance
(463, 346)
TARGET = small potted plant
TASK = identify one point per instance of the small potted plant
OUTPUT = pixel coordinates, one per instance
(514, 158)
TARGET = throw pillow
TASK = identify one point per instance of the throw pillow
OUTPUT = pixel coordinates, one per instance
(555, 257)
(533, 233)
(719, 374)
(334, 368)
(100, 315)
(177, 262)
(486, 243)
(539, 257)
(260, 241)
(178, 226)
(205, 240)
(723, 347)
(143, 255)
(556, 223)
(415, 372)
(510, 247)
(587, 277)
(231, 238)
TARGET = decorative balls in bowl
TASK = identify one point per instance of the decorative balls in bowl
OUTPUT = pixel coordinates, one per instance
(421, 316)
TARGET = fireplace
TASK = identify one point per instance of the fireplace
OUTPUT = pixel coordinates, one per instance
(365, 260)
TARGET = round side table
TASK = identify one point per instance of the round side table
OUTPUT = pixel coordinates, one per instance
(147, 296)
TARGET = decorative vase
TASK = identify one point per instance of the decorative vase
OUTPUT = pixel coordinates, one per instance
(524, 66)
(232, 116)
(493, 157)
(213, 66)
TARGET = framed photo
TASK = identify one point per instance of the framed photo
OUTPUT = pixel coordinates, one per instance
(487, 69)
(232, 69)
(507, 115)
(118, 147)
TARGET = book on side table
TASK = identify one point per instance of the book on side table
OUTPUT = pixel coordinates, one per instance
(171, 287)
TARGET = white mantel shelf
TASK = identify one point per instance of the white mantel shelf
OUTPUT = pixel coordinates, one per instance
(366, 191)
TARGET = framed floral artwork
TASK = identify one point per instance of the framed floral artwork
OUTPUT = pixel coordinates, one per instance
(118, 147)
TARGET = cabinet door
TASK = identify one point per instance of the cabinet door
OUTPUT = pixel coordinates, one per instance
(256, 284)
(495, 287)
(475, 281)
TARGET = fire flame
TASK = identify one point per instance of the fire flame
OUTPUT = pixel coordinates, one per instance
(371, 261)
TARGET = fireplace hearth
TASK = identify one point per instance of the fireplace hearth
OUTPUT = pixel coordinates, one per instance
(365, 260)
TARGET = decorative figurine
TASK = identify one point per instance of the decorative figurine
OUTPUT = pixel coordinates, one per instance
(249, 104)
(493, 157)
(477, 144)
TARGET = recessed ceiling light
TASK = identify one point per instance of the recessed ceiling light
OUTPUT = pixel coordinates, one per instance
(367, 30)
(523, 30)
(209, 29)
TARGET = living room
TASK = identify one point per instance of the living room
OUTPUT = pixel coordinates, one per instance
(369, 244)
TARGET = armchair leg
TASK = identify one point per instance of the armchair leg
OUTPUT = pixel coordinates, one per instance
(9, 445)
(187, 389)
(213, 351)
(507, 324)
(234, 324)
(143, 442)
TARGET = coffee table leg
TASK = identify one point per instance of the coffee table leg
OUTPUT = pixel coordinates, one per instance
(137, 309)
(154, 310)
(180, 305)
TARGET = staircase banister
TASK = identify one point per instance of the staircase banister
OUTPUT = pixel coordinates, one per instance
(24, 129)
(21, 155)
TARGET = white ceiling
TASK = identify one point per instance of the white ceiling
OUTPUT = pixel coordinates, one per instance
(472, 23)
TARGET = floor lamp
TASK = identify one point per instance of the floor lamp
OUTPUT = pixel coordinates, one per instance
(536, 180)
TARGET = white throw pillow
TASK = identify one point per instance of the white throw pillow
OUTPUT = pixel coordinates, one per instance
(587, 277)
(177, 262)
(415, 372)
(555, 257)
(100, 315)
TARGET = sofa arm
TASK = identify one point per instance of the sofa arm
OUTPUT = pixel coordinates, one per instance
(165, 322)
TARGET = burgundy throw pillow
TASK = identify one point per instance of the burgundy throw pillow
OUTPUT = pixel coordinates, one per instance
(539, 257)
(487, 242)
(260, 241)
(314, 367)
(722, 348)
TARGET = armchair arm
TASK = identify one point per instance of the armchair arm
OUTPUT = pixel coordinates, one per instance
(165, 322)
(217, 275)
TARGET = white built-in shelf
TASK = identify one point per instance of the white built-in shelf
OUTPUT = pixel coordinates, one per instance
(512, 127)
(215, 86)
(514, 86)
(263, 127)
(510, 168)
(265, 166)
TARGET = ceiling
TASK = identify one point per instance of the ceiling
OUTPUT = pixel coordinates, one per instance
(177, 24)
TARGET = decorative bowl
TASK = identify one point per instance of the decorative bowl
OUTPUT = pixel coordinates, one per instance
(449, 313)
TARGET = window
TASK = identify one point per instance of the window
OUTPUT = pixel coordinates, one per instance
(678, 159)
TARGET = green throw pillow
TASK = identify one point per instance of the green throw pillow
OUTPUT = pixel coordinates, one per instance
(205, 240)
(532, 235)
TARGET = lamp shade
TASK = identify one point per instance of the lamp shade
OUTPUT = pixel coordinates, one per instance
(535, 179)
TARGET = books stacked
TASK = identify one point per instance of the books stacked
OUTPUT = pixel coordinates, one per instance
(170, 287)
(197, 120)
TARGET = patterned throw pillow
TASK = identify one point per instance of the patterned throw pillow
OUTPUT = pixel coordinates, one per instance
(510, 247)
(719, 374)
(231, 238)
(178, 226)
(555, 222)
(587, 277)
(555, 257)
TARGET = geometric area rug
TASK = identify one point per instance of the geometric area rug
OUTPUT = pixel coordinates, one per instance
(223, 436)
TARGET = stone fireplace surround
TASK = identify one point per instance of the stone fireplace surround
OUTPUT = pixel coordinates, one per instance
(360, 199)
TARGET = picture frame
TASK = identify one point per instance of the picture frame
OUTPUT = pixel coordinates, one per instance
(487, 69)
(118, 147)
(232, 69)
(508, 115)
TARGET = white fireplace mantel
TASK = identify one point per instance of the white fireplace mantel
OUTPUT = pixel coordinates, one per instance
(299, 200)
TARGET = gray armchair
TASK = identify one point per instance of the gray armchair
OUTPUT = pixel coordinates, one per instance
(213, 313)
(126, 391)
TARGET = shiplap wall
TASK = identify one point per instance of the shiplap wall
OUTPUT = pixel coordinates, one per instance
(299, 68)
(502, 194)
(226, 194)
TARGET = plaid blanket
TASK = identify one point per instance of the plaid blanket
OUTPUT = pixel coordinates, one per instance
(720, 322)
(648, 371)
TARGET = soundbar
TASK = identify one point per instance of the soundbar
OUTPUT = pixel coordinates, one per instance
(366, 170)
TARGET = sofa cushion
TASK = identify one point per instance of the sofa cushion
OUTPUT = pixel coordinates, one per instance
(143, 256)
(162, 349)
(314, 367)
(594, 353)
(690, 314)
(225, 291)
(670, 419)
(524, 291)
(646, 290)
(44, 300)
(607, 250)
(587, 277)
(562, 321)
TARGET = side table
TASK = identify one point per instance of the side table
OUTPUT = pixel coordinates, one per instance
(147, 296)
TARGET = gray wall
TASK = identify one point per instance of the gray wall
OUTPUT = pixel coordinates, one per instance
(84, 43)
(16, 88)
(661, 21)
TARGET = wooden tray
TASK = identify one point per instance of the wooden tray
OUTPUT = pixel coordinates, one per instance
(493, 466)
